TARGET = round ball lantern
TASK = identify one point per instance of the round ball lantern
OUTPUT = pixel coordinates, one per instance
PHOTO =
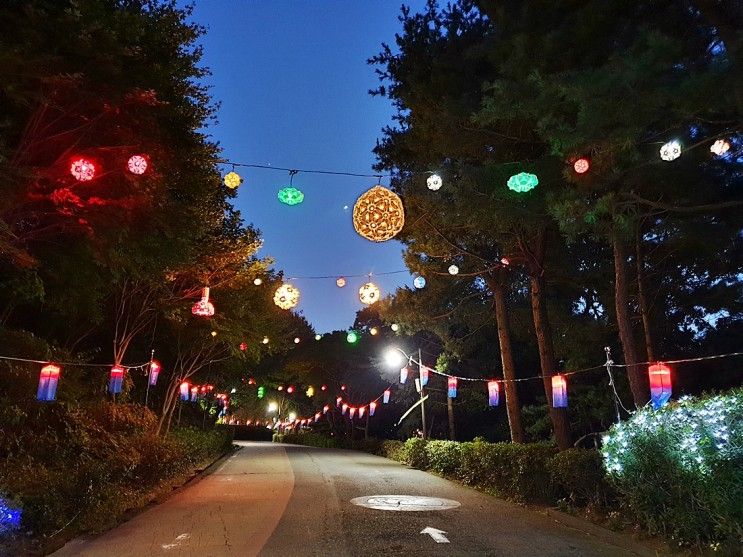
(340, 282)
(290, 196)
(419, 282)
(720, 147)
(286, 296)
(137, 164)
(671, 150)
(369, 293)
(395, 327)
(82, 170)
(434, 182)
(522, 182)
(453, 270)
(378, 214)
(581, 166)
(232, 180)
(257, 281)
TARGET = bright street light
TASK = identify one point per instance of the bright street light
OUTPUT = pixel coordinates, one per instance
(394, 357)
(272, 407)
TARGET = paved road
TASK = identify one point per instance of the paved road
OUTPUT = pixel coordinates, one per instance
(287, 500)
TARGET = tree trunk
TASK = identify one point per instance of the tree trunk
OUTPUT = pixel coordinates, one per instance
(559, 416)
(506, 356)
(637, 380)
(450, 412)
(642, 300)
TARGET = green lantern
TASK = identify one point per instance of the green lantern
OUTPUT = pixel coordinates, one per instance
(290, 195)
(522, 182)
(352, 337)
(261, 392)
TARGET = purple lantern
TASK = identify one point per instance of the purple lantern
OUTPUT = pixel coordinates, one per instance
(493, 393)
(48, 379)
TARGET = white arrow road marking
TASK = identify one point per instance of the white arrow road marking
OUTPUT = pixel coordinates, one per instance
(436, 534)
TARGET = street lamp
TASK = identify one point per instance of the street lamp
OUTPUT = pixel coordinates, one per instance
(395, 357)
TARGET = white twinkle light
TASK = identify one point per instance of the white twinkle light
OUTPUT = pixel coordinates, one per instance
(434, 182)
(671, 150)
(453, 270)
(720, 147)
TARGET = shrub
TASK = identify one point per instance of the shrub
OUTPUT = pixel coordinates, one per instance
(394, 450)
(307, 438)
(414, 453)
(579, 474)
(443, 457)
(679, 470)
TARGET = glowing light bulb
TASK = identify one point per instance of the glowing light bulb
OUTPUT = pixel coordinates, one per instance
(352, 337)
(258, 281)
(373, 331)
(369, 293)
(340, 282)
(265, 340)
(318, 337)
(296, 340)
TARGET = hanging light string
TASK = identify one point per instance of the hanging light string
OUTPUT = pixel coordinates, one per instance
(72, 364)
(574, 372)
(293, 171)
(364, 275)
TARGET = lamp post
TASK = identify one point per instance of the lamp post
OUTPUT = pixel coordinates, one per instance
(393, 359)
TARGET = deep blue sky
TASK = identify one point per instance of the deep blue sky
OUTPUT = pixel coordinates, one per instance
(293, 84)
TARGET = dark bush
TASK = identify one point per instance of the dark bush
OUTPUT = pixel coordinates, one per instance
(580, 477)
(307, 438)
(414, 453)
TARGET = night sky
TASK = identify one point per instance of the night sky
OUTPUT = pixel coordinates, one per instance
(292, 80)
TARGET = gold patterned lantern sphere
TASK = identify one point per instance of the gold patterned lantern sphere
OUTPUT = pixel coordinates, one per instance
(369, 293)
(286, 296)
(378, 214)
(232, 180)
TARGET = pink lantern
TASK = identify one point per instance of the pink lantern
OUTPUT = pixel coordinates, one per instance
(361, 411)
(372, 408)
(493, 393)
(338, 401)
(184, 390)
(660, 384)
(155, 368)
(194, 393)
(203, 308)
(325, 409)
(386, 396)
(243, 346)
(352, 411)
(48, 379)
(317, 416)
(344, 408)
(452, 387)
(82, 169)
(115, 379)
(559, 391)
(137, 164)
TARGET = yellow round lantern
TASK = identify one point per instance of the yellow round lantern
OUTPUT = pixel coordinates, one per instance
(378, 214)
(232, 180)
(286, 296)
(369, 293)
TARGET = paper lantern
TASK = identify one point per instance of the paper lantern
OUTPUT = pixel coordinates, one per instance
(325, 409)
(404, 374)
(318, 337)
(203, 308)
(451, 383)
(373, 331)
(419, 282)
(453, 270)
(522, 182)
(424, 375)
(372, 408)
(280, 388)
(395, 327)
(155, 368)
(310, 392)
(265, 340)
(434, 182)
(324, 388)
(261, 391)
(343, 387)
(297, 340)
(243, 346)
(559, 391)
(338, 401)
(660, 384)
(493, 393)
(505, 261)
(581, 166)
(137, 164)
(720, 147)
(378, 214)
(340, 282)
(386, 396)
(290, 195)
(251, 381)
(671, 150)
(257, 281)
(184, 390)
(369, 293)
(352, 411)
(115, 379)
(232, 180)
(48, 379)
(82, 170)
(351, 338)
(317, 416)
(286, 296)
(362, 410)
(344, 408)
(195, 394)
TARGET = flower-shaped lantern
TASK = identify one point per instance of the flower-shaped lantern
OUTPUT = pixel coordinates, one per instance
(378, 214)
(369, 293)
(286, 296)
(522, 182)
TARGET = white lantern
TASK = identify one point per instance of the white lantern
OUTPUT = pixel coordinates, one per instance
(340, 282)
(720, 147)
(395, 327)
(419, 282)
(453, 270)
(369, 293)
(286, 296)
(434, 182)
(671, 150)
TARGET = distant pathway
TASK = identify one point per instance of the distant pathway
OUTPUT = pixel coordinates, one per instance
(286, 501)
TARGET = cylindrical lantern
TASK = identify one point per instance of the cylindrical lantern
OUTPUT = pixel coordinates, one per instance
(452, 387)
(361, 411)
(660, 384)
(372, 408)
(386, 396)
(116, 379)
(404, 374)
(317, 416)
(344, 408)
(352, 411)
(203, 308)
(195, 393)
(184, 390)
(493, 393)
(154, 371)
(559, 391)
(48, 379)
(424, 376)
(325, 409)
(338, 401)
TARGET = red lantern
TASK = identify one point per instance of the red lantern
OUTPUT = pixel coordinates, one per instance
(338, 401)
(243, 346)
(82, 169)
(137, 164)
(660, 384)
(344, 408)
(343, 387)
(290, 389)
(582, 165)
(48, 379)
(154, 371)
(559, 391)
(505, 261)
(203, 308)
(317, 416)
(325, 409)
(115, 379)
(251, 381)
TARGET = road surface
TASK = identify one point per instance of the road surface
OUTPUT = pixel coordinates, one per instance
(285, 500)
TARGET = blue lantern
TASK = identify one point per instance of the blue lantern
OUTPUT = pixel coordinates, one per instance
(48, 379)
(115, 380)
(559, 391)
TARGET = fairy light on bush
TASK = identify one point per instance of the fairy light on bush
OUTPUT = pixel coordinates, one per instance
(671, 150)
(434, 182)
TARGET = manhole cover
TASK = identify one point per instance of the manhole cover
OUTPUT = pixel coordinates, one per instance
(405, 503)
